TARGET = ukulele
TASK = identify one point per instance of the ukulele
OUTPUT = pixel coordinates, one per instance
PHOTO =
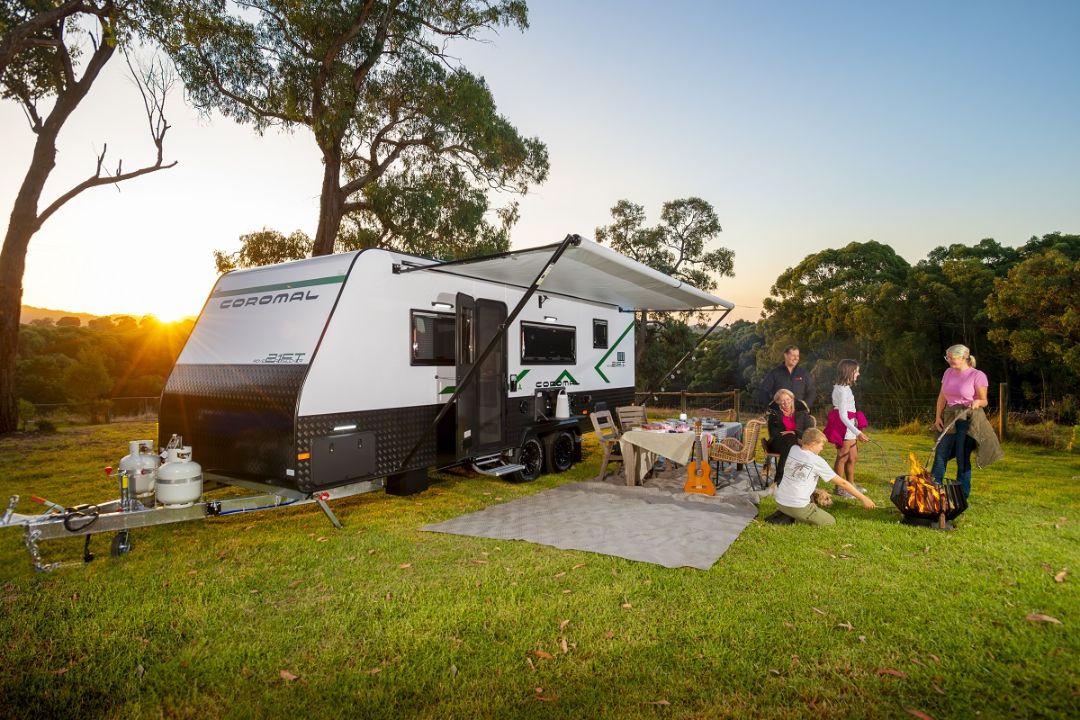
(698, 471)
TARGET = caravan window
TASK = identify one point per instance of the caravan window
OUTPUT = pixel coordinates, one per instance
(432, 338)
(599, 334)
(544, 344)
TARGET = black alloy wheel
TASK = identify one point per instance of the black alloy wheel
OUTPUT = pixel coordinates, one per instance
(531, 455)
(559, 451)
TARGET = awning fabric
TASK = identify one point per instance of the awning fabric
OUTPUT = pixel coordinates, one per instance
(587, 271)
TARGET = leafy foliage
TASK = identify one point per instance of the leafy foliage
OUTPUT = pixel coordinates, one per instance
(411, 141)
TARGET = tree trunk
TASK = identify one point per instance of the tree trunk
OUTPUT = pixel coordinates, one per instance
(331, 203)
(21, 227)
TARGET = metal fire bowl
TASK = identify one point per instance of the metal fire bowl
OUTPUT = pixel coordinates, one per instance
(957, 501)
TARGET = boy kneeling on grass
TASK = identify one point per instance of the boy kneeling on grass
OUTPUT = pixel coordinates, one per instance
(804, 466)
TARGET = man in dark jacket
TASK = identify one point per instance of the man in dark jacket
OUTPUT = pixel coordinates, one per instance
(788, 375)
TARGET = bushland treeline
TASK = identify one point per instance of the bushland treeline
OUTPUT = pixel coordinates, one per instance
(109, 357)
(1018, 309)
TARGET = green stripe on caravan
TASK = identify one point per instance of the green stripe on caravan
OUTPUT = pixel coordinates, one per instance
(273, 294)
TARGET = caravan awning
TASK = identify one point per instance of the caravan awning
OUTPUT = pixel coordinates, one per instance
(586, 271)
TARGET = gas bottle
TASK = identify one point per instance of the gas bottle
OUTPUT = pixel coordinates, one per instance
(140, 463)
(179, 480)
(562, 405)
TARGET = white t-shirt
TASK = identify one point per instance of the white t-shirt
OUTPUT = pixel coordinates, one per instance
(801, 473)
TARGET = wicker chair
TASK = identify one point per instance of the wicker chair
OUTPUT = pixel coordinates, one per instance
(608, 435)
(741, 452)
(631, 416)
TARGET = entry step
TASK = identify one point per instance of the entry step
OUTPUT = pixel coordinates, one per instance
(495, 465)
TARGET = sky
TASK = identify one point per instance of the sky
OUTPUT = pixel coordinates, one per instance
(807, 126)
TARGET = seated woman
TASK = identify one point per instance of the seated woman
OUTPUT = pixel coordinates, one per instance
(787, 423)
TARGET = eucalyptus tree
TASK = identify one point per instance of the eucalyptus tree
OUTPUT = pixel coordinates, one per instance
(51, 54)
(1036, 314)
(845, 302)
(678, 246)
(411, 141)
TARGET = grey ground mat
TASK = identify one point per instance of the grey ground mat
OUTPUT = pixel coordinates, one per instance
(648, 524)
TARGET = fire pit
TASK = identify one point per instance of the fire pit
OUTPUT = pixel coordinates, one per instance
(924, 502)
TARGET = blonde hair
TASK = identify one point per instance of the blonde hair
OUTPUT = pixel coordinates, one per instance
(782, 392)
(961, 351)
(845, 371)
(812, 436)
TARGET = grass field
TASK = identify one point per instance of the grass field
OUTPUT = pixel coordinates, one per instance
(277, 614)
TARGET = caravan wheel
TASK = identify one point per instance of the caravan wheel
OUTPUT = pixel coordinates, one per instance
(559, 451)
(531, 455)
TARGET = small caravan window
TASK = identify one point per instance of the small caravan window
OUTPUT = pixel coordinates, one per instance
(599, 334)
(432, 338)
(544, 344)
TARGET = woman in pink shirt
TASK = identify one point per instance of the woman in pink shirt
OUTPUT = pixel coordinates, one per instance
(962, 387)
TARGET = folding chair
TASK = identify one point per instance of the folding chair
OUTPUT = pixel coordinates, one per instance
(772, 460)
(631, 416)
(608, 435)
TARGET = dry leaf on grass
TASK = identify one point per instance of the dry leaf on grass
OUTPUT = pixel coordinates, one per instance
(563, 624)
(221, 555)
(404, 566)
(658, 702)
(479, 562)
(1060, 577)
(918, 713)
(893, 672)
(626, 606)
(579, 565)
(295, 583)
(564, 646)
(322, 539)
(453, 670)
(1039, 617)
(609, 635)
(788, 625)
(559, 574)
(935, 658)
(846, 626)
(819, 611)
(938, 690)
(287, 676)
(543, 655)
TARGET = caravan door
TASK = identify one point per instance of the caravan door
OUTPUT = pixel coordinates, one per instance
(481, 406)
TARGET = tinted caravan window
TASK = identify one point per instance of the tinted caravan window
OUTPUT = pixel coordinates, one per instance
(545, 344)
(599, 334)
(432, 338)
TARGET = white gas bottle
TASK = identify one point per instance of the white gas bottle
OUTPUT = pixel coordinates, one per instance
(141, 462)
(179, 480)
(562, 405)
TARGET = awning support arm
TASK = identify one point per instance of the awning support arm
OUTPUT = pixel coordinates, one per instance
(691, 350)
(567, 242)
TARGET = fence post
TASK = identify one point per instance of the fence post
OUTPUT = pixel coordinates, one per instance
(1003, 409)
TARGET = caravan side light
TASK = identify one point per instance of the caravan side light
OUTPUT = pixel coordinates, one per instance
(442, 305)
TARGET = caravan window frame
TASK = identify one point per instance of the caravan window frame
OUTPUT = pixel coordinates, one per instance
(548, 359)
(597, 342)
(436, 360)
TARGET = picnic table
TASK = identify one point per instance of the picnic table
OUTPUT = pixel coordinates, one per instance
(642, 448)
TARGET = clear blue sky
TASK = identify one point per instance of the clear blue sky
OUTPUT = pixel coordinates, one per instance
(806, 125)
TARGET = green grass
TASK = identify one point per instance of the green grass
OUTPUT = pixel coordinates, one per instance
(866, 619)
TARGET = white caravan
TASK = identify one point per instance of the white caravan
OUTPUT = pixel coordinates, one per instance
(324, 372)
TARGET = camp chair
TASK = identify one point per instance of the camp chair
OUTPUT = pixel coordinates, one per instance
(608, 435)
(772, 459)
(631, 416)
(740, 451)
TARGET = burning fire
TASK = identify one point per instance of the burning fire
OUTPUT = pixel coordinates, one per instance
(923, 494)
